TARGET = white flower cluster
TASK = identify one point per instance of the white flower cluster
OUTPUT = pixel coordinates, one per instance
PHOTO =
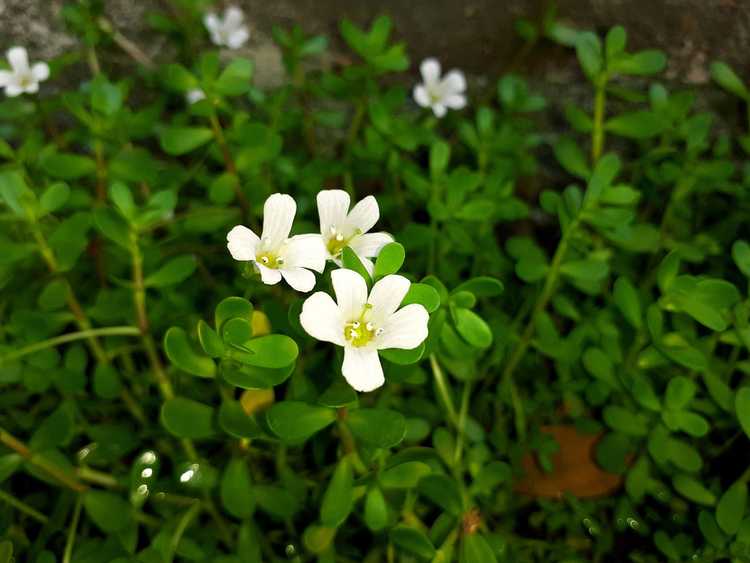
(22, 78)
(360, 322)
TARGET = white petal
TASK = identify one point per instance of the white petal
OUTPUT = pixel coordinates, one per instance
(269, 276)
(430, 69)
(439, 110)
(454, 82)
(421, 96)
(332, 208)
(278, 215)
(370, 244)
(406, 328)
(351, 293)
(386, 295)
(238, 37)
(32, 88)
(40, 71)
(321, 318)
(18, 59)
(233, 17)
(369, 266)
(12, 90)
(212, 23)
(455, 101)
(6, 77)
(363, 216)
(242, 243)
(362, 368)
(195, 95)
(299, 279)
(306, 251)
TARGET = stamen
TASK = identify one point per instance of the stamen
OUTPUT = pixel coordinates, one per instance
(380, 331)
(355, 324)
(370, 327)
(279, 261)
(339, 237)
(264, 259)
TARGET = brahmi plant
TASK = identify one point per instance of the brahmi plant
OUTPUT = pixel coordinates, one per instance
(369, 314)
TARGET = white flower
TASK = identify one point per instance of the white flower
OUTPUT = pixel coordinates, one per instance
(195, 95)
(22, 78)
(274, 254)
(440, 94)
(363, 325)
(229, 31)
(340, 227)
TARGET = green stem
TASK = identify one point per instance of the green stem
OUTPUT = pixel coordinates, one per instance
(22, 507)
(442, 387)
(61, 475)
(182, 525)
(230, 165)
(597, 133)
(70, 542)
(550, 283)
(71, 337)
(462, 416)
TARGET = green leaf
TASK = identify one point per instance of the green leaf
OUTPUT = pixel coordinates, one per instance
(55, 430)
(181, 140)
(389, 260)
(122, 197)
(12, 188)
(318, 539)
(572, 158)
(339, 496)
(614, 42)
(236, 490)
(742, 407)
(668, 270)
(179, 78)
(585, 271)
(598, 364)
(473, 328)
(351, 261)
(376, 510)
(403, 357)
(481, 286)
(625, 421)
(173, 272)
(589, 52)
(235, 78)
(412, 541)
(54, 197)
(108, 511)
(66, 166)
(112, 226)
(440, 153)
(627, 301)
(641, 63)
(379, 428)
(642, 124)
(181, 353)
(731, 508)
(604, 173)
(443, 491)
(230, 308)
(725, 77)
(295, 421)
(475, 549)
(272, 351)
(107, 383)
(424, 295)
(187, 418)
(210, 341)
(106, 97)
(235, 422)
(741, 255)
(680, 391)
(692, 489)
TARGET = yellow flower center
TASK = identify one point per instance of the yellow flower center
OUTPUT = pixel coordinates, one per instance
(361, 331)
(337, 241)
(270, 260)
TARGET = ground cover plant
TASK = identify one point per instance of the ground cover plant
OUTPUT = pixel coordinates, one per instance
(369, 314)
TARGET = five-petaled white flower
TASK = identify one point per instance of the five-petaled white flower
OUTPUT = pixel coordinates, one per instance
(438, 93)
(274, 254)
(22, 78)
(228, 31)
(364, 324)
(195, 95)
(340, 227)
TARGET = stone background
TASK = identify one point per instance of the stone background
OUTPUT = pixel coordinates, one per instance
(475, 35)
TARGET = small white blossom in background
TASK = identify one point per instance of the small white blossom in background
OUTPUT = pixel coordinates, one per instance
(229, 30)
(340, 227)
(195, 95)
(22, 78)
(438, 93)
(364, 324)
(274, 254)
